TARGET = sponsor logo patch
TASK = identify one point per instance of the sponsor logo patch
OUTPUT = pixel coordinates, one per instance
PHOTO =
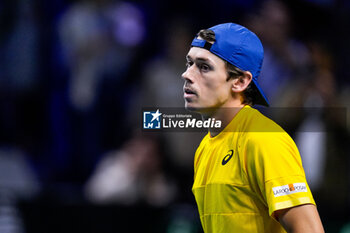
(289, 189)
(227, 157)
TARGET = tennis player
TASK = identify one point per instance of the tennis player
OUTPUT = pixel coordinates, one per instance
(248, 176)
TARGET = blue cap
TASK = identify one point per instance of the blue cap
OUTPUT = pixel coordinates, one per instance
(240, 47)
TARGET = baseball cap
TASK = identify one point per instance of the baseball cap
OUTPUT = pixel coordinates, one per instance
(240, 47)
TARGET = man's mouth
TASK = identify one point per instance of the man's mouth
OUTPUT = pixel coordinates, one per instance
(189, 92)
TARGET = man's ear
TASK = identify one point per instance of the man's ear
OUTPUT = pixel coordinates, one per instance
(241, 83)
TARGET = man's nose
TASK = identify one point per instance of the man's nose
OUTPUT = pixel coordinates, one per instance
(188, 74)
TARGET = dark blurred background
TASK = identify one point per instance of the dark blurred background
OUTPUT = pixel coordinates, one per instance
(74, 76)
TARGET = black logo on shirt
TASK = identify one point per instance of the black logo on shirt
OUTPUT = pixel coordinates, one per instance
(227, 157)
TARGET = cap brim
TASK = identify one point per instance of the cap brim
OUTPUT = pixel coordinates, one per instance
(260, 99)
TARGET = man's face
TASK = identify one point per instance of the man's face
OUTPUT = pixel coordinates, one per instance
(206, 84)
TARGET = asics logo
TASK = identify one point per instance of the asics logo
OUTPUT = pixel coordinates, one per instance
(227, 157)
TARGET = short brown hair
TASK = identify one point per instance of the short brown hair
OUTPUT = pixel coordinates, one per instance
(250, 92)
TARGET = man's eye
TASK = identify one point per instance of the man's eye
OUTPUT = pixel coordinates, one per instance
(204, 67)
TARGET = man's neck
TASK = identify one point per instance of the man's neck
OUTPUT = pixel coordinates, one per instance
(225, 115)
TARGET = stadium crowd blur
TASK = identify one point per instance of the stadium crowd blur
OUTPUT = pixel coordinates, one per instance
(74, 76)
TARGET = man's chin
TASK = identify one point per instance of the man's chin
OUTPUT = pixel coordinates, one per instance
(190, 107)
(193, 108)
(207, 111)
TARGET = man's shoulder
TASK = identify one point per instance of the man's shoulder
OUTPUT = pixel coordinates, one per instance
(260, 130)
(255, 121)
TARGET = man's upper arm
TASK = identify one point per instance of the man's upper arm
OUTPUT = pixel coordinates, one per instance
(274, 169)
(300, 219)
